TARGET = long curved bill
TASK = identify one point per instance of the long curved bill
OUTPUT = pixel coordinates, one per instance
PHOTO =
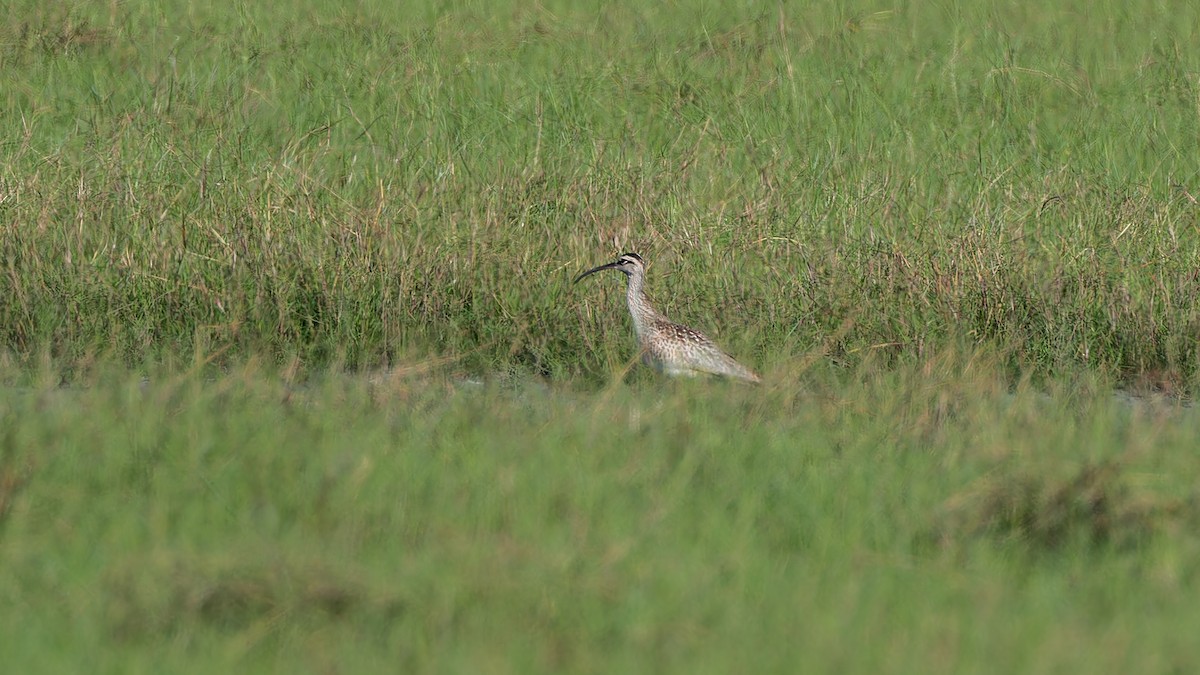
(592, 271)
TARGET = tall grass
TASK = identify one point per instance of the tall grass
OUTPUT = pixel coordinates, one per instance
(293, 378)
(372, 183)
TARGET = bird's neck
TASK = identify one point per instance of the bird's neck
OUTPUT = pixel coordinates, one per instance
(639, 305)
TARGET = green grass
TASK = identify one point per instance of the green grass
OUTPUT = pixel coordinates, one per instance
(909, 521)
(364, 185)
(380, 429)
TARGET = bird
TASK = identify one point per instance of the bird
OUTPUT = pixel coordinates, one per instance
(667, 346)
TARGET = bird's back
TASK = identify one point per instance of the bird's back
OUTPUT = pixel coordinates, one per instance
(678, 350)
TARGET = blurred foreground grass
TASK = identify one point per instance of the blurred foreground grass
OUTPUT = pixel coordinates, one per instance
(920, 519)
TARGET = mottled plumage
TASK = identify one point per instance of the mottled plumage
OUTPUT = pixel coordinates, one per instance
(669, 347)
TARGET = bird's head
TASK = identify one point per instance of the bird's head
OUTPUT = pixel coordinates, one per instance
(627, 264)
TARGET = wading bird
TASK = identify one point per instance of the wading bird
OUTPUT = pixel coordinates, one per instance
(669, 347)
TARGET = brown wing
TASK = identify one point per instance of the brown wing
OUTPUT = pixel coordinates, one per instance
(683, 348)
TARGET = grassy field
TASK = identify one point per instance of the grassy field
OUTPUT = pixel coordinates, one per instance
(293, 377)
